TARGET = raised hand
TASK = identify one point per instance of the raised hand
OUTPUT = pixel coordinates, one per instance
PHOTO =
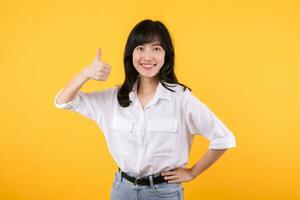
(97, 70)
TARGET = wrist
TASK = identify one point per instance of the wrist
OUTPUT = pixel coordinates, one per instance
(83, 77)
(193, 172)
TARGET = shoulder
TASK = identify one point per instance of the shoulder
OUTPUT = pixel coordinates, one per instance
(179, 91)
(106, 93)
(190, 98)
(177, 88)
(109, 90)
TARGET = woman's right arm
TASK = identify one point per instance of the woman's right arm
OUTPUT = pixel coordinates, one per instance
(72, 88)
(97, 70)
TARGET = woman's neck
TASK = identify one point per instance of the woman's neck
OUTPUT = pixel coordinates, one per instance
(147, 85)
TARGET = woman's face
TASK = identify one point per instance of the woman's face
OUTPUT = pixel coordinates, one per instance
(148, 58)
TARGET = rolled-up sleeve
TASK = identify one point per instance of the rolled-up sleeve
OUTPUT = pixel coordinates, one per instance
(68, 105)
(92, 105)
(201, 120)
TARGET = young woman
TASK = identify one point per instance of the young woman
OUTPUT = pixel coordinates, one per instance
(149, 121)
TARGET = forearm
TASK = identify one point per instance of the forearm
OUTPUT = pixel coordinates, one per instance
(211, 156)
(71, 89)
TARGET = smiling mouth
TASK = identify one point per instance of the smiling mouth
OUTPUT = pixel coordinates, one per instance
(148, 66)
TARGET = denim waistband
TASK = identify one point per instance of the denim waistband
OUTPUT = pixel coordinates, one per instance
(145, 176)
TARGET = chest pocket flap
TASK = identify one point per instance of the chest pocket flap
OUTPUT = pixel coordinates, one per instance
(122, 124)
(163, 125)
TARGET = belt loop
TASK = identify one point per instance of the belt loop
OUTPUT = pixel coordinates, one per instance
(121, 178)
(120, 174)
(117, 180)
(151, 181)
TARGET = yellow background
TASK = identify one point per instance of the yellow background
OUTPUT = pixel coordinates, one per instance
(240, 57)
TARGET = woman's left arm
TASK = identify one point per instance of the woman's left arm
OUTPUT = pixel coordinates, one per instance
(202, 121)
(187, 174)
(211, 156)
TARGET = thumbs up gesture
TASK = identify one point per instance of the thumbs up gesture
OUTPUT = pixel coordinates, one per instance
(98, 70)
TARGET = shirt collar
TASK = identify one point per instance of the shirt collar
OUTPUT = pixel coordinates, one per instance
(160, 93)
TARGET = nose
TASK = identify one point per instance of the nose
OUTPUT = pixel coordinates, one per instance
(147, 55)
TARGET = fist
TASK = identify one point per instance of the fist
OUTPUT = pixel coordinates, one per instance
(98, 70)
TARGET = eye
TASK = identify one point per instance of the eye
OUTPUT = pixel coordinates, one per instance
(159, 49)
(138, 48)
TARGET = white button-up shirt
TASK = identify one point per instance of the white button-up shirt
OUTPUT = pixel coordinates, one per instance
(156, 138)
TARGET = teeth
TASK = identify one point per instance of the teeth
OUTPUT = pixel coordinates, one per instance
(144, 65)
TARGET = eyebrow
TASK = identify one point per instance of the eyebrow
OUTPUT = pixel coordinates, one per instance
(153, 44)
(156, 44)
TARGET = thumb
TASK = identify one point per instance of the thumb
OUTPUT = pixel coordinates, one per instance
(98, 57)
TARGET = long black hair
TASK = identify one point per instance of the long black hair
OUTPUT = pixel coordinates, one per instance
(144, 32)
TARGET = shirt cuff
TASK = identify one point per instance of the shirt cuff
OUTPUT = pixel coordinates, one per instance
(222, 143)
(67, 105)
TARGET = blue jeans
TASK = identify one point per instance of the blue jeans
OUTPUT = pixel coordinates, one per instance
(122, 189)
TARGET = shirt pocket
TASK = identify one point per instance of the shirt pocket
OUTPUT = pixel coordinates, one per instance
(162, 135)
(122, 130)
